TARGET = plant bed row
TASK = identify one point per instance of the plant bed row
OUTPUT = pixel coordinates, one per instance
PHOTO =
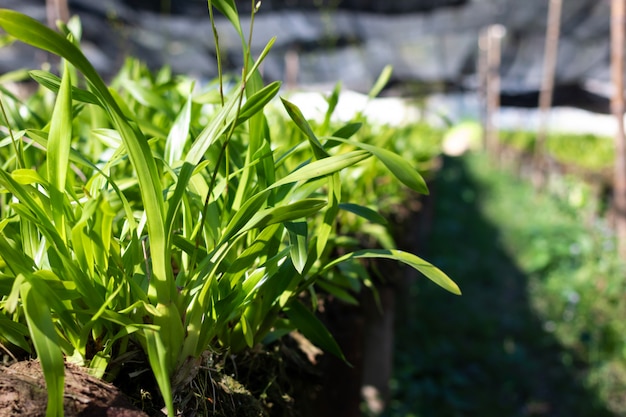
(578, 168)
(152, 231)
(538, 330)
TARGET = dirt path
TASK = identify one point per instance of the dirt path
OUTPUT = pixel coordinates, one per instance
(485, 353)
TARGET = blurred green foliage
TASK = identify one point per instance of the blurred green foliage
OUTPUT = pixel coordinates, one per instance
(540, 329)
(586, 151)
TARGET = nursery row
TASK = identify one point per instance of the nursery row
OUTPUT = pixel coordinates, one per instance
(539, 329)
(584, 151)
(576, 280)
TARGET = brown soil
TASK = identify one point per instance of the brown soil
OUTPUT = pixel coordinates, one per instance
(23, 394)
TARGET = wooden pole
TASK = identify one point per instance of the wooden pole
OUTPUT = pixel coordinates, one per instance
(292, 67)
(56, 10)
(618, 12)
(495, 33)
(482, 70)
(546, 93)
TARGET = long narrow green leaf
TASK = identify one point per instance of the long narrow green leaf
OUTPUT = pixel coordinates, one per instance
(248, 332)
(146, 96)
(364, 212)
(305, 321)
(347, 130)
(332, 101)
(177, 138)
(253, 253)
(337, 291)
(398, 166)
(243, 216)
(222, 121)
(41, 138)
(429, 270)
(157, 356)
(32, 210)
(280, 214)
(174, 202)
(59, 144)
(47, 345)
(28, 177)
(298, 118)
(255, 104)
(229, 9)
(381, 82)
(298, 240)
(328, 225)
(214, 130)
(14, 333)
(258, 141)
(53, 83)
(30, 31)
(323, 167)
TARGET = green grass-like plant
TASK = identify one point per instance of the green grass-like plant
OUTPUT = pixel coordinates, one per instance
(150, 213)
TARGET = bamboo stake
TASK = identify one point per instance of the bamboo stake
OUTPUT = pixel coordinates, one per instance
(546, 93)
(618, 12)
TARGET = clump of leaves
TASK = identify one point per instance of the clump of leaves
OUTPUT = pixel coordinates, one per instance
(151, 214)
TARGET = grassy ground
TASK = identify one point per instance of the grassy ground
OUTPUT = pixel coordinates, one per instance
(493, 352)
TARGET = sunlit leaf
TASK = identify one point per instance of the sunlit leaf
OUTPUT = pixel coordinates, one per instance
(59, 144)
(177, 137)
(157, 356)
(258, 101)
(299, 244)
(323, 167)
(289, 212)
(381, 82)
(53, 83)
(429, 270)
(398, 166)
(28, 177)
(298, 118)
(47, 345)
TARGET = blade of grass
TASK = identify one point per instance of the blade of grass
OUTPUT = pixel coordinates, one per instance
(157, 356)
(281, 214)
(298, 118)
(298, 240)
(177, 137)
(47, 345)
(328, 225)
(53, 83)
(364, 212)
(427, 269)
(59, 143)
(322, 167)
(381, 82)
(305, 321)
(398, 166)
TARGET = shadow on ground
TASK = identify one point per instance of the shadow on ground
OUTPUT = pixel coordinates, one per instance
(485, 353)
